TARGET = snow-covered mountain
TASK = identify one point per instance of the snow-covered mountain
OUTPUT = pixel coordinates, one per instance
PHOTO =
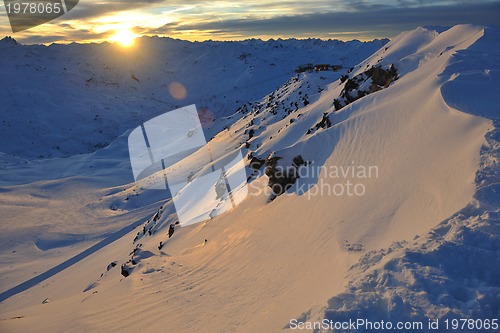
(412, 127)
(79, 98)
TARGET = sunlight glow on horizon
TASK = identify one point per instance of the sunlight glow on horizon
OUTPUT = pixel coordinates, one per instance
(176, 20)
(124, 37)
(225, 20)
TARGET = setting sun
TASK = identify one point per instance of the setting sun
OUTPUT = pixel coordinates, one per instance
(124, 37)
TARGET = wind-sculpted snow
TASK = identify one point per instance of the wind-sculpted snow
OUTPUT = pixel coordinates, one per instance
(452, 271)
(474, 78)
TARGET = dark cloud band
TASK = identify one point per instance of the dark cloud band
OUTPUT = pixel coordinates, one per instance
(378, 21)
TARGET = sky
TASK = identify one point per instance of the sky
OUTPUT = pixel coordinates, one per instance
(97, 21)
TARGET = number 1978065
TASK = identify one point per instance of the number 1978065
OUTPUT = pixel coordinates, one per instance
(34, 8)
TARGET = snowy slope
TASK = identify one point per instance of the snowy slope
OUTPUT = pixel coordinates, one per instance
(267, 261)
(64, 100)
(452, 271)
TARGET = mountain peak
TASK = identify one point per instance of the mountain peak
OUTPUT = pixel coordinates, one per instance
(8, 41)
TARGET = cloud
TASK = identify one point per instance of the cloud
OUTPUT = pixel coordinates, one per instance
(89, 10)
(383, 21)
(238, 19)
(54, 38)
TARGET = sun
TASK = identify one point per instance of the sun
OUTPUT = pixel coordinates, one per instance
(124, 37)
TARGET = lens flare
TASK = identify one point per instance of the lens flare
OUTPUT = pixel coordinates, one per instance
(124, 37)
(177, 90)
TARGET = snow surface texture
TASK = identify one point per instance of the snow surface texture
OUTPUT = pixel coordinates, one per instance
(453, 271)
(422, 242)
